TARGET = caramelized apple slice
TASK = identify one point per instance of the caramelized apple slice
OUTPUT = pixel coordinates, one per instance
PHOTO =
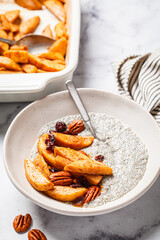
(19, 47)
(11, 36)
(19, 56)
(3, 46)
(9, 63)
(8, 26)
(11, 16)
(61, 30)
(29, 68)
(53, 160)
(29, 4)
(66, 194)
(60, 46)
(74, 155)
(36, 178)
(48, 156)
(61, 162)
(89, 167)
(40, 162)
(51, 56)
(70, 154)
(47, 31)
(74, 142)
(63, 156)
(56, 7)
(29, 25)
(3, 34)
(46, 65)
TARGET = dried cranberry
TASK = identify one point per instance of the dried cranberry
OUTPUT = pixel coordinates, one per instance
(61, 127)
(78, 202)
(99, 158)
(48, 148)
(53, 170)
(52, 138)
(50, 142)
(83, 181)
(47, 142)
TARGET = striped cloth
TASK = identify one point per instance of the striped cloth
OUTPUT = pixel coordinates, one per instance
(138, 78)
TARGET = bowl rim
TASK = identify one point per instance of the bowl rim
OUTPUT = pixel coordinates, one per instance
(80, 212)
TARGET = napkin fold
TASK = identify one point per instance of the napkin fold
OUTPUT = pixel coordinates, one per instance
(138, 78)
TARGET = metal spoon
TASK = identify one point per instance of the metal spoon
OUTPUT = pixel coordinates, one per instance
(78, 101)
(36, 43)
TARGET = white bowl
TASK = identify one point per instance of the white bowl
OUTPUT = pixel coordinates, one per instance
(23, 131)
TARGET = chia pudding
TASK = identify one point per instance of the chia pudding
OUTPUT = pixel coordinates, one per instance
(122, 149)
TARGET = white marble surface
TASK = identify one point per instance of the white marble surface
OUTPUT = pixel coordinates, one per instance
(110, 30)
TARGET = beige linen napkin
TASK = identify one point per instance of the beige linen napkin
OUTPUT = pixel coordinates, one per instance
(138, 78)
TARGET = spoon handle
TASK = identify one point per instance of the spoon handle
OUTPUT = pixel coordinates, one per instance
(10, 42)
(76, 98)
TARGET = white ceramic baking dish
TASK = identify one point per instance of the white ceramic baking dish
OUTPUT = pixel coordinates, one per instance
(29, 87)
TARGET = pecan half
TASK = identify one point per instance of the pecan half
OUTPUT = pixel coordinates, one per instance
(92, 193)
(36, 234)
(76, 127)
(22, 223)
(61, 178)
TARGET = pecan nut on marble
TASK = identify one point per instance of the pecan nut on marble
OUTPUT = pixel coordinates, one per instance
(61, 178)
(22, 223)
(76, 127)
(36, 234)
(91, 194)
